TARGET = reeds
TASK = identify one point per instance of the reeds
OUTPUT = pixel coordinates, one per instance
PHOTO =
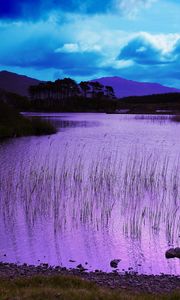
(140, 189)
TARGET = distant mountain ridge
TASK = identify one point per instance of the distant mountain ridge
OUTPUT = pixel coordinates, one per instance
(16, 83)
(20, 84)
(126, 88)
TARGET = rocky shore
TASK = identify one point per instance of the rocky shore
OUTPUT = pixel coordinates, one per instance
(128, 281)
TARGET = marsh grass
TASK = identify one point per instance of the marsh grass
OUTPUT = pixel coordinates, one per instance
(154, 118)
(142, 190)
(68, 288)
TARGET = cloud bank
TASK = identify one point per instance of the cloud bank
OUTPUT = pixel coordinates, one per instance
(89, 39)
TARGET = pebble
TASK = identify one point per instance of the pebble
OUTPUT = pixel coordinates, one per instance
(154, 284)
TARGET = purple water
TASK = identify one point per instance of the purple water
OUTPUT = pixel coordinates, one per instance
(103, 187)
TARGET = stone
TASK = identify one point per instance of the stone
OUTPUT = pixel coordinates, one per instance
(177, 252)
(114, 263)
(173, 252)
(81, 268)
(170, 253)
(71, 260)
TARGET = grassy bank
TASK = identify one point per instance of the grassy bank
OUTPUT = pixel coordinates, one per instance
(12, 124)
(68, 288)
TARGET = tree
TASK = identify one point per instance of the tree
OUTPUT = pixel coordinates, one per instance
(70, 87)
(98, 89)
(32, 91)
(67, 88)
(84, 85)
(109, 92)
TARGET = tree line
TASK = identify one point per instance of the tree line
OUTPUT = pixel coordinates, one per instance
(63, 89)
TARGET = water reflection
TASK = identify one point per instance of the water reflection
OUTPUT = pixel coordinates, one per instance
(60, 123)
(78, 194)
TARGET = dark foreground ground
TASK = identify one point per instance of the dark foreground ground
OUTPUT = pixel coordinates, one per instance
(44, 282)
(13, 124)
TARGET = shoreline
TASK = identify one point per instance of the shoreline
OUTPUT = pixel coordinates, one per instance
(129, 281)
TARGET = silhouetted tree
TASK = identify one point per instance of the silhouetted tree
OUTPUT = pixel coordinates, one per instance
(84, 85)
(67, 93)
(109, 91)
(98, 89)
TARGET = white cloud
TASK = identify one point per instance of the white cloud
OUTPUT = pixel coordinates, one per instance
(122, 64)
(81, 48)
(164, 42)
(132, 7)
(68, 48)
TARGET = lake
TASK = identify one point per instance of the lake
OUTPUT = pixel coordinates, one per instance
(104, 187)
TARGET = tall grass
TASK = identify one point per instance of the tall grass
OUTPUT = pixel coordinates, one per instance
(141, 189)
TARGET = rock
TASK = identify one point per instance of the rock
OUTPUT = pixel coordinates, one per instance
(71, 260)
(177, 252)
(170, 253)
(173, 252)
(114, 263)
(57, 267)
(81, 268)
(44, 265)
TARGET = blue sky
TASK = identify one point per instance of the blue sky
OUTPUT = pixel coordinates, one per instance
(50, 39)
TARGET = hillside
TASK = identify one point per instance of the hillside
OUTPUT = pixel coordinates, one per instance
(126, 88)
(123, 88)
(16, 83)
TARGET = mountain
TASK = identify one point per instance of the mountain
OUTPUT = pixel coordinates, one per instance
(16, 83)
(19, 84)
(125, 88)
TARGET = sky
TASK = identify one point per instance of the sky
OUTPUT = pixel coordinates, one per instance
(133, 39)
